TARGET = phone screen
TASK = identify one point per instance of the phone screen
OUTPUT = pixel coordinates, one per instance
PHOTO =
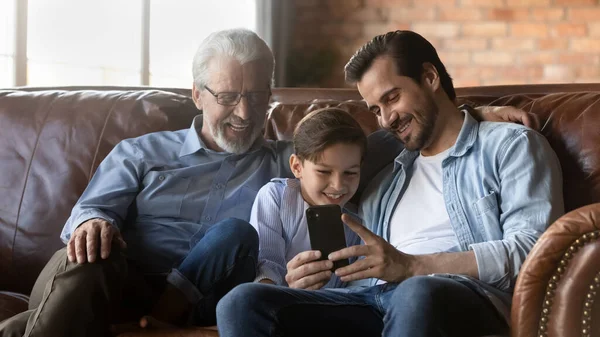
(326, 231)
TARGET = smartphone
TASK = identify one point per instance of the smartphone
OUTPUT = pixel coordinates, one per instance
(326, 231)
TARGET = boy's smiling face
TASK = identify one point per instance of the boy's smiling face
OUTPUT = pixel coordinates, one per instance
(333, 179)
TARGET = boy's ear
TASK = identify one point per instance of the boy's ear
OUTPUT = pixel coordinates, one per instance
(296, 166)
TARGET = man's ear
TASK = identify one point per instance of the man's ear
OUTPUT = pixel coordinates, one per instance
(430, 77)
(296, 166)
(196, 97)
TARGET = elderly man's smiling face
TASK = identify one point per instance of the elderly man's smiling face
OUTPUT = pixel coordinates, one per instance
(233, 128)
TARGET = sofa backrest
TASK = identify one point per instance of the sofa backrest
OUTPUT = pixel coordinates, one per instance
(51, 142)
(53, 139)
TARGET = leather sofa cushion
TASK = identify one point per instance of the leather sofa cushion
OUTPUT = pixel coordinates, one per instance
(11, 304)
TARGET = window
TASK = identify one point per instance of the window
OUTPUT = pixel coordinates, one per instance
(173, 43)
(7, 43)
(74, 42)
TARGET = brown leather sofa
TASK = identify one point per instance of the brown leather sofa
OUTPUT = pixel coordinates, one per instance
(52, 140)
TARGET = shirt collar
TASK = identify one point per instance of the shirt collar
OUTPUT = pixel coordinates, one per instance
(194, 143)
(405, 159)
(465, 140)
(466, 137)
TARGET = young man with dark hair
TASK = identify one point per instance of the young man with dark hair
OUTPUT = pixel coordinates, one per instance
(447, 225)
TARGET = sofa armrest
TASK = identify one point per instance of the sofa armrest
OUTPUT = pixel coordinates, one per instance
(555, 294)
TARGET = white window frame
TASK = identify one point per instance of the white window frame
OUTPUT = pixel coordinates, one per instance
(20, 56)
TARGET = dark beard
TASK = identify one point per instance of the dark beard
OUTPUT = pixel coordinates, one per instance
(428, 113)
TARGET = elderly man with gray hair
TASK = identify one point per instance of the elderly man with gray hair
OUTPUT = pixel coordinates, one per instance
(188, 241)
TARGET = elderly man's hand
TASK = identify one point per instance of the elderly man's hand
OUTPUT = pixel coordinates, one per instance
(507, 114)
(94, 233)
(306, 271)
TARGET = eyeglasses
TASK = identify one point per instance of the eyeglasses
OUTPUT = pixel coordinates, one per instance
(233, 98)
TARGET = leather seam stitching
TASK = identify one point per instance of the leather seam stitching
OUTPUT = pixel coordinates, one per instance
(97, 150)
(33, 151)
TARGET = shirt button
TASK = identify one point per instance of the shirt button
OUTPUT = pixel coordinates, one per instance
(207, 218)
(219, 186)
(161, 178)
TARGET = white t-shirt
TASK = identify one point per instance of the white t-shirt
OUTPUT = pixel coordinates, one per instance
(420, 223)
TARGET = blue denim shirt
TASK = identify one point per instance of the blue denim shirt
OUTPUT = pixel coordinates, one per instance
(502, 187)
(164, 190)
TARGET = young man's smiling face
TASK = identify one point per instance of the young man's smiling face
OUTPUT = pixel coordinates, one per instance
(403, 106)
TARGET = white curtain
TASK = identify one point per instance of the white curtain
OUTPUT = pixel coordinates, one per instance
(274, 23)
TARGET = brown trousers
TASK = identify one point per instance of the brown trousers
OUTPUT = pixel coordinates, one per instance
(70, 299)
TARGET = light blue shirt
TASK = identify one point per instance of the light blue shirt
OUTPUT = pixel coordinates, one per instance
(279, 217)
(164, 190)
(502, 187)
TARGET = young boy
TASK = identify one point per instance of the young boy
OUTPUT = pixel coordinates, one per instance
(329, 146)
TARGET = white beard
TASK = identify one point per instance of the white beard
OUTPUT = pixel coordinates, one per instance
(237, 146)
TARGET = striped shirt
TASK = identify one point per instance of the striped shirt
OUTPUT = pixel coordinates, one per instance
(278, 214)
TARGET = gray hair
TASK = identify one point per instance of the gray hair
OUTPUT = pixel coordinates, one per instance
(242, 44)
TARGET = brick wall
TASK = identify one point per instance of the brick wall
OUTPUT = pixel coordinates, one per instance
(482, 42)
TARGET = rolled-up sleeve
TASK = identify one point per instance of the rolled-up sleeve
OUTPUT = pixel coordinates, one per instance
(265, 218)
(530, 199)
(111, 190)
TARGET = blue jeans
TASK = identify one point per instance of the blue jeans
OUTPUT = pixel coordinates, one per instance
(419, 306)
(224, 258)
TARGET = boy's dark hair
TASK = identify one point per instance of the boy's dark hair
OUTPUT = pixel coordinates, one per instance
(409, 51)
(326, 127)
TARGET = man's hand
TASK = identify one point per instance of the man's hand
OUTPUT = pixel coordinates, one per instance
(304, 271)
(508, 114)
(83, 245)
(381, 261)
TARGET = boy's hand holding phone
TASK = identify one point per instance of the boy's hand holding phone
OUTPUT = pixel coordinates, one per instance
(307, 271)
